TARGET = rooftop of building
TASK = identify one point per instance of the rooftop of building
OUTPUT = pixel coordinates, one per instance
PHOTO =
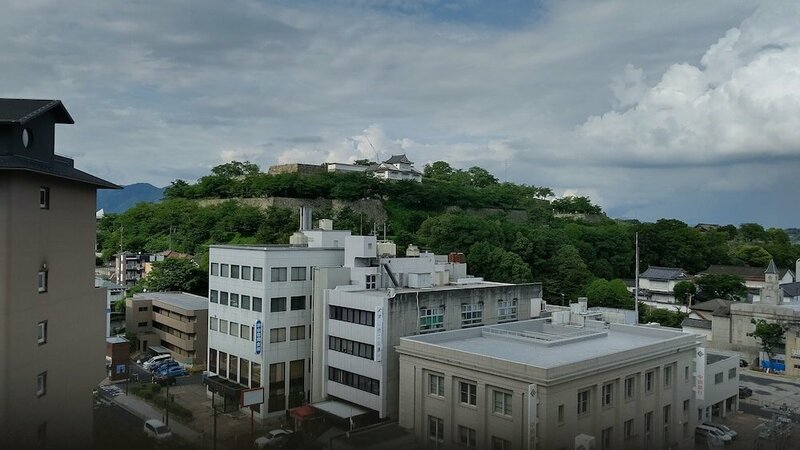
(21, 110)
(181, 300)
(711, 305)
(746, 272)
(713, 357)
(664, 273)
(432, 289)
(102, 283)
(696, 323)
(273, 247)
(542, 344)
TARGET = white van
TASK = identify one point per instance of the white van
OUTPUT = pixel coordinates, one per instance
(156, 359)
(157, 430)
(705, 433)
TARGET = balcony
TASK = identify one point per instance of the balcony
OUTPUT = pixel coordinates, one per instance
(185, 344)
(186, 327)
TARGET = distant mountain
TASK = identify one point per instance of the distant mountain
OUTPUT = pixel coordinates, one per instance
(117, 201)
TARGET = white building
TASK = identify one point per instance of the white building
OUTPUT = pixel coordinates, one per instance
(396, 168)
(539, 385)
(656, 284)
(717, 388)
(114, 293)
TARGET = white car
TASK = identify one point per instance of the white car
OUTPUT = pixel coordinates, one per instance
(272, 438)
(156, 359)
(157, 430)
(713, 432)
(723, 428)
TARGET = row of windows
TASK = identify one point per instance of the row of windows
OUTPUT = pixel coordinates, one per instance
(296, 333)
(357, 316)
(467, 437)
(236, 300)
(236, 369)
(277, 274)
(354, 380)
(234, 329)
(607, 391)
(432, 318)
(468, 394)
(351, 347)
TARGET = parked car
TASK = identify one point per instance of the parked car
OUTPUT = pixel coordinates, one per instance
(743, 363)
(172, 371)
(272, 438)
(704, 432)
(163, 365)
(165, 380)
(745, 392)
(147, 364)
(722, 428)
(157, 430)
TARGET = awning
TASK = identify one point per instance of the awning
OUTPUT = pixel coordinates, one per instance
(223, 386)
(340, 409)
(304, 412)
(158, 349)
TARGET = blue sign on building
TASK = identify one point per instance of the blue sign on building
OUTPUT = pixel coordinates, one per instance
(258, 332)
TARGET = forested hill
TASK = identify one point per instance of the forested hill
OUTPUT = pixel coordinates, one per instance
(564, 254)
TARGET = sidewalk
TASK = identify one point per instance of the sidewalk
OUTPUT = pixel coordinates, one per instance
(146, 411)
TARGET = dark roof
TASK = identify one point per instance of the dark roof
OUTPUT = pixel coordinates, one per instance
(663, 273)
(771, 267)
(746, 272)
(712, 305)
(722, 311)
(18, 110)
(395, 159)
(60, 167)
(791, 289)
(712, 358)
(696, 323)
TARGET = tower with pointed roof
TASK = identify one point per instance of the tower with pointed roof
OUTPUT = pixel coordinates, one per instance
(771, 293)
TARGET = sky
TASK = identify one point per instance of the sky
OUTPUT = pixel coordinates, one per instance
(679, 109)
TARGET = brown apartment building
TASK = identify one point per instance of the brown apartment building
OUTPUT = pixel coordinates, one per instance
(52, 325)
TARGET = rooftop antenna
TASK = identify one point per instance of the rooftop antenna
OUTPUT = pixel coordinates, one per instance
(373, 149)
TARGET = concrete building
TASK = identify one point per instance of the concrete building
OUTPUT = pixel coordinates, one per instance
(539, 385)
(48, 365)
(114, 293)
(176, 321)
(657, 284)
(717, 381)
(129, 267)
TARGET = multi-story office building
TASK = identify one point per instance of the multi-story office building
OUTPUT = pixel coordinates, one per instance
(539, 385)
(129, 267)
(176, 321)
(48, 365)
(363, 309)
(260, 316)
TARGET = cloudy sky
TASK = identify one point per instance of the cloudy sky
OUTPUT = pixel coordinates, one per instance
(654, 109)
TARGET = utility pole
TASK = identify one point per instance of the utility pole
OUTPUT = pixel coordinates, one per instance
(166, 421)
(636, 285)
(214, 408)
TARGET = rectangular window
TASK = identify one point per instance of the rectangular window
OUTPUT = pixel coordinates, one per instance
(245, 332)
(258, 274)
(502, 403)
(144, 324)
(234, 300)
(244, 369)
(298, 274)
(255, 375)
(583, 402)
(44, 197)
(233, 368)
(627, 429)
(41, 337)
(686, 408)
(648, 426)
(435, 429)
(277, 387)
(667, 421)
(223, 298)
(234, 329)
(719, 377)
(278, 274)
(213, 323)
(605, 438)
(224, 270)
(471, 314)
(245, 302)
(41, 384)
(223, 326)
(212, 360)
(731, 373)
(277, 335)
(234, 271)
(357, 316)
(469, 393)
(354, 380)
(142, 308)
(506, 309)
(466, 436)
(436, 385)
(371, 281)
(42, 281)
(215, 269)
(214, 296)
(277, 304)
(561, 414)
(500, 444)
(649, 379)
(298, 303)
(608, 394)
(667, 376)
(257, 304)
(246, 272)
(431, 318)
(630, 388)
(223, 364)
(355, 348)
(297, 333)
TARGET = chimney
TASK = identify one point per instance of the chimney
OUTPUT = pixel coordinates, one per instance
(305, 218)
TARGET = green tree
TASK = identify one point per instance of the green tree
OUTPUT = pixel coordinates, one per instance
(727, 287)
(235, 169)
(481, 177)
(753, 255)
(438, 169)
(572, 204)
(178, 189)
(569, 275)
(683, 290)
(176, 274)
(495, 264)
(610, 294)
(769, 335)
(663, 317)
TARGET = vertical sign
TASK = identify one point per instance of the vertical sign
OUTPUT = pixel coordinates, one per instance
(700, 373)
(378, 333)
(257, 332)
(533, 401)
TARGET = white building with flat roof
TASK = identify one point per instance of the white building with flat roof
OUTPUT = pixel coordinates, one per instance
(539, 385)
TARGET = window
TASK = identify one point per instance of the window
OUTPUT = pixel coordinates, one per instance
(277, 335)
(431, 318)
(41, 336)
(667, 376)
(142, 308)
(223, 326)
(583, 402)
(686, 408)
(507, 309)
(212, 360)
(627, 429)
(298, 274)
(608, 394)
(258, 274)
(278, 274)
(41, 384)
(502, 403)
(297, 333)
(223, 364)
(371, 281)
(233, 368)
(667, 420)
(44, 197)
(648, 426)
(630, 388)
(257, 304)
(215, 269)
(213, 323)
(354, 380)
(471, 314)
(234, 300)
(244, 369)
(245, 332)
(277, 304)
(234, 329)
(469, 393)
(466, 436)
(648, 381)
(245, 302)
(255, 375)
(42, 281)
(143, 324)
(298, 303)
(500, 444)
(246, 272)
(355, 348)
(731, 373)
(224, 270)
(719, 377)
(234, 271)
(214, 296)
(276, 400)
(436, 385)
(435, 429)
(351, 315)
(223, 298)
(605, 438)
(686, 374)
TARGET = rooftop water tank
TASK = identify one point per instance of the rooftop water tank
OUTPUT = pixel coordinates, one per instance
(326, 224)
(412, 250)
(298, 239)
(386, 248)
